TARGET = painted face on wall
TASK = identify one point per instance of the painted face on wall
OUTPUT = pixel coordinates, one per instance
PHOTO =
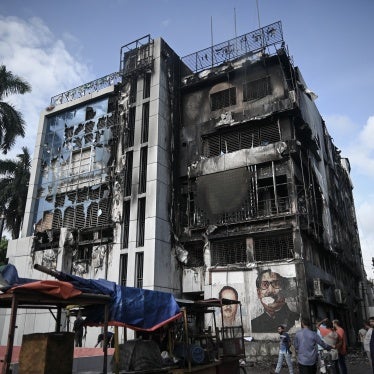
(229, 311)
(270, 292)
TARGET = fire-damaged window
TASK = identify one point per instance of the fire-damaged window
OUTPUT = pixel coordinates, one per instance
(145, 123)
(273, 247)
(223, 99)
(128, 173)
(224, 252)
(133, 89)
(141, 223)
(143, 170)
(249, 136)
(195, 253)
(146, 85)
(123, 269)
(126, 224)
(256, 89)
(131, 127)
(139, 269)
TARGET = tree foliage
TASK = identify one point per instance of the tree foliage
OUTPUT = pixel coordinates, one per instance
(3, 249)
(14, 182)
(11, 121)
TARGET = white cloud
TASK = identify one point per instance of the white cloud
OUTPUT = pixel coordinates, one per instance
(165, 23)
(30, 50)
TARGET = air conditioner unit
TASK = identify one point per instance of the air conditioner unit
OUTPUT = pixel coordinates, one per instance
(338, 296)
(317, 287)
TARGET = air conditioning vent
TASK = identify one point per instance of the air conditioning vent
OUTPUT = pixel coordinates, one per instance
(318, 287)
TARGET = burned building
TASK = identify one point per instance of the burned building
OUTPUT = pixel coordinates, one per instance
(198, 175)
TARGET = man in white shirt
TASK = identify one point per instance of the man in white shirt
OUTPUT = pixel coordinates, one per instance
(369, 342)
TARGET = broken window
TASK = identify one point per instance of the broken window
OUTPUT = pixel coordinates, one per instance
(223, 99)
(123, 269)
(128, 173)
(146, 85)
(141, 223)
(139, 268)
(256, 89)
(195, 253)
(274, 247)
(224, 252)
(145, 123)
(90, 113)
(143, 170)
(126, 223)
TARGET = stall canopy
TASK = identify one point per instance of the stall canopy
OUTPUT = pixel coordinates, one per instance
(135, 308)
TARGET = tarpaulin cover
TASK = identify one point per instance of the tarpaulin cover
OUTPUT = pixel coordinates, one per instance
(133, 307)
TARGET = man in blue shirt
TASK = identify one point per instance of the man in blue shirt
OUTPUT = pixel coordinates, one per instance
(306, 345)
(284, 350)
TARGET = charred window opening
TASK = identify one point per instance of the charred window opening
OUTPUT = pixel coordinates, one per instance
(124, 258)
(145, 123)
(133, 90)
(112, 104)
(146, 85)
(247, 137)
(141, 223)
(143, 170)
(128, 173)
(48, 239)
(226, 252)
(90, 113)
(256, 89)
(195, 251)
(83, 254)
(131, 128)
(223, 99)
(139, 269)
(126, 224)
(270, 248)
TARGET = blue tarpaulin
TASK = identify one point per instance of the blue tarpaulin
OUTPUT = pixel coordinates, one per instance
(132, 307)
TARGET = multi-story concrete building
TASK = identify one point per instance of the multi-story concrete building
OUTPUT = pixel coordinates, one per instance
(199, 175)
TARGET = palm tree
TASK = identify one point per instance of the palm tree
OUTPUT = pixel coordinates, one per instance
(11, 121)
(14, 181)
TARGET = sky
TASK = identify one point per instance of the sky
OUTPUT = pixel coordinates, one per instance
(59, 45)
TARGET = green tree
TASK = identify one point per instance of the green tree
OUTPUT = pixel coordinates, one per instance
(3, 248)
(14, 182)
(11, 121)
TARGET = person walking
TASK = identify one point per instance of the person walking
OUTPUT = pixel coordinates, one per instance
(284, 350)
(305, 344)
(361, 335)
(331, 337)
(79, 329)
(369, 343)
(342, 349)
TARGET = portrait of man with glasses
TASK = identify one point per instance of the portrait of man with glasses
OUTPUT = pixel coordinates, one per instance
(272, 293)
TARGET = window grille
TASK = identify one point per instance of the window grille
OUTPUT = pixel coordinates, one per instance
(256, 89)
(272, 248)
(139, 268)
(123, 269)
(246, 137)
(225, 252)
(141, 223)
(223, 99)
(126, 223)
(128, 173)
(143, 170)
(145, 123)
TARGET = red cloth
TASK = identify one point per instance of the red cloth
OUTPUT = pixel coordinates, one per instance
(60, 289)
(343, 348)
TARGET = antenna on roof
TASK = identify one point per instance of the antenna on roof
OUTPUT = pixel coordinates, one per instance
(258, 15)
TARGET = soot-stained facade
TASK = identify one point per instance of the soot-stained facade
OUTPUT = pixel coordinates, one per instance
(211, 175)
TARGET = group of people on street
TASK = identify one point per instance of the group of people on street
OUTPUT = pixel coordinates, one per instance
(325, 347)
(366, 338)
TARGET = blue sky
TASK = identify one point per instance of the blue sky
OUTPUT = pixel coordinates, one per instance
(58, 45)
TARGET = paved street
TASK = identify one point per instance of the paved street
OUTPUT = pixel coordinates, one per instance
(356, 364)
